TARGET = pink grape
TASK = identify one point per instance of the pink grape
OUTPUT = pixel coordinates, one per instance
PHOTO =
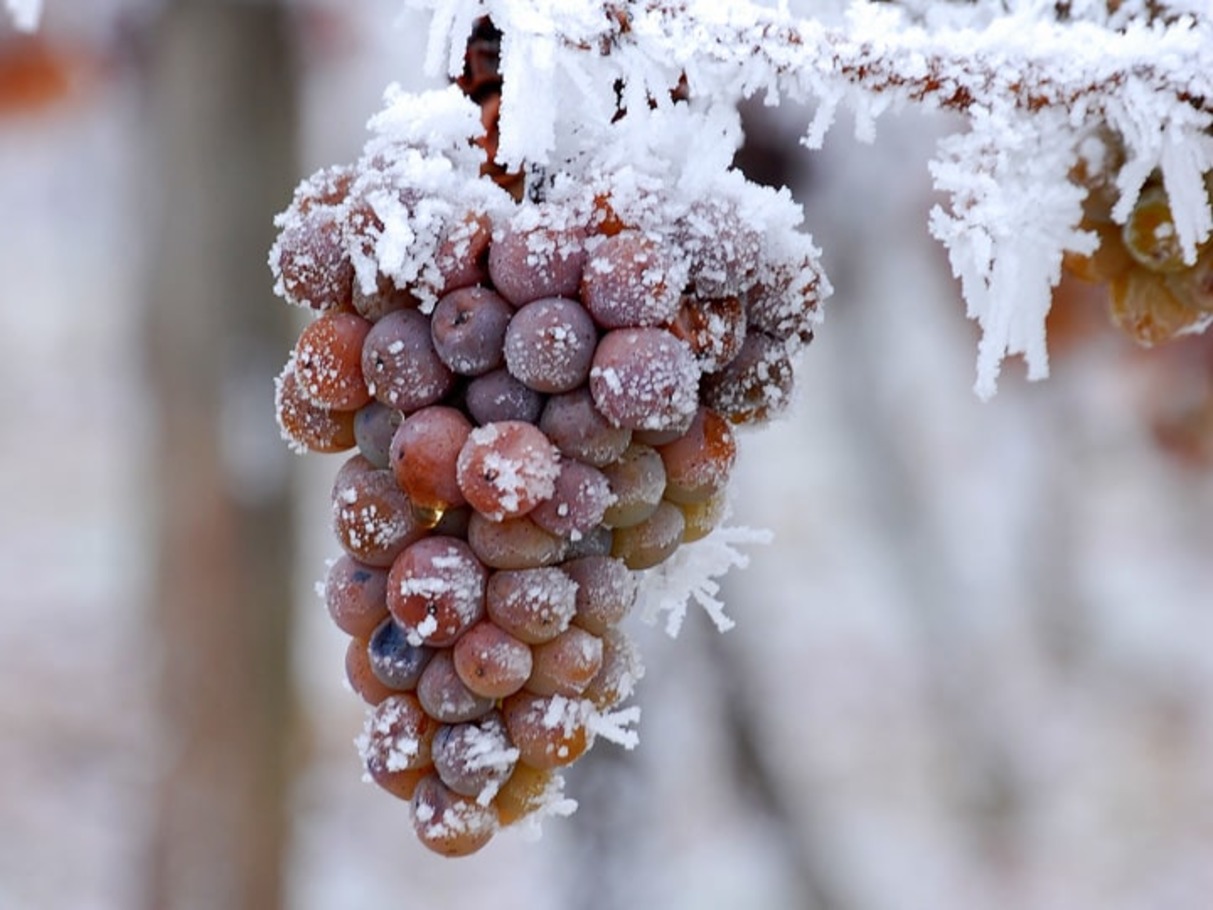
(514, 543)
(630, 280)
(549, 345)
(400, 365)
(356, 596)
(541, 256)
(533, 605)
(424, 451)
(435, 590)
(505, 469)
(443, 694)
(644, 379)
(578, 503)
(577, 428)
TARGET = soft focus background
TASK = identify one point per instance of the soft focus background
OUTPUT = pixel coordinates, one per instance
(975, 669)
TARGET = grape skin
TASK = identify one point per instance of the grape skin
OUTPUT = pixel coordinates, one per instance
(698, 464)
(549, 345)
(498, 396)
(305, 426)
(566, 664)
(356, 596)
(435, 590)
(578, 503)
(652, 541)
(548, 733)
(395, 661)
(527, 263)
(579, 430)
(372, 518)
(637, 481)
(445, 697)
(400, 365)
(374, 426)
(490, 661)
(328, 361)
(505, 469)
(468, 327)
(424, 451)
(515, 543)
(474, 759)
(644, 379)
(606, 591)
(533, 605)
(628, 281)
(450, 824)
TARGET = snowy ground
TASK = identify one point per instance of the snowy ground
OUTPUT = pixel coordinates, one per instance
(975, 661)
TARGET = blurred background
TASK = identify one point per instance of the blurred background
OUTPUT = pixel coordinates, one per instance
(974, 670)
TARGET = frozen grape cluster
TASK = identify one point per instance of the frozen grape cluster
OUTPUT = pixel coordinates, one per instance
(541, 400)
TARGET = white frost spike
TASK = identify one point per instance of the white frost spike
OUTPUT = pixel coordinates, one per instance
(1014, 212)
(615, 726)
(26, 13)
(691, 573)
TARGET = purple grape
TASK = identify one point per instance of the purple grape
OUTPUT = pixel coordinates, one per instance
(444, 696)
(374, 426)
(394, 661)
(472, 756)
(581, 498)
(538, 255)
(629, 280)
(499, 396)
(468, 328)
(400, 365)
(578, 429)
(755, 385)
(644, 379)
(549, 345)
(606, 591)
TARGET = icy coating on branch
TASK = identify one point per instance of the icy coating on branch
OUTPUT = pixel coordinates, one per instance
(1035, 81)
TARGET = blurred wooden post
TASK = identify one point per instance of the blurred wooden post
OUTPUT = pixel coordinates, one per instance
(222, 126)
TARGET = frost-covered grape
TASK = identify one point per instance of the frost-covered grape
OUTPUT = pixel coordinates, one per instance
(533, 605)
(498, 396)
(621, 670)
(566, 664)
(515, 543)
(549, 345)
(757, 384)
(356, 596)
(505, 469)
(786, 307)
(328, 361)
(698, 464)
(702, 518)
(577, 428)
(400, 365)
(327, 187)
(435, 589)
(653, 541)
(548, 731)
(443, 694)
(397, 735)
(462, 254)
(311, 262)
(578, 503)
(394, 660)
(372, 518)
(469, 328)
(644, 379)
(450, 824)
(606, 591)
(374, 426)
(423, 454)
(1150, 235)
(630, 280)
(305, 426)
(384, 299)
(491, 661)
(475, 759)
(527, 790)
(539, 254)
(360, 676)
(713, 329)
(637, 481)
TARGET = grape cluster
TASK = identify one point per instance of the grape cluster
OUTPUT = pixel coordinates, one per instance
(542, 398)
(1155, 294)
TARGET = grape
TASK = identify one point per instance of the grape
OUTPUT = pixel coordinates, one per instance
(606, 591)
(361, 677)
(786, 308)
(423, 454)
(490, 661)
(566, 664)
(396, 662)
(397, 735)
(443, 694)
(702, 518)
(644, 379)
(374, 426)
(755, 385)
(637, 481)
(621, 670)
(527, 790)
(713, 329)
(307, 427)
(498, 396)
(454, 523)
(372, 518)
(507, 468)
(475, 759)
(548, 731)
(435, 589)
(515, 543)
(310, 261)
(328, 361)
(1146, 309)
(697, 465)
(578, 503)
(462, 254)
(450, 824)
(541, 257)
(549, 345)
(629, 280)
(356, 596)
(386, 298)
(533, 605)
(653, 541)
(1150, 235)
(595, 542)
(469, 328)
(400, 365)
(578, 429)
(327, 187)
